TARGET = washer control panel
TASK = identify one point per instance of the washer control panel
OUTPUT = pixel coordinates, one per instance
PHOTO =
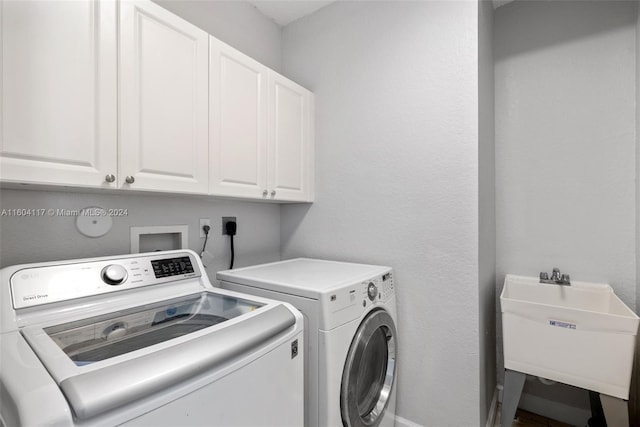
(43, 285)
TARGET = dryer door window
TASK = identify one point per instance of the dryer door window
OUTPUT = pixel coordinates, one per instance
(369, 371)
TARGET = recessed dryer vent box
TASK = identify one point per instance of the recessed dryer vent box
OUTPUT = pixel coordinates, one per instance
(159, 238)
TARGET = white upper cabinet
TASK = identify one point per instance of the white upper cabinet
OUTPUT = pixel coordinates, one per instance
(290, 142)
(145, 101)
(237, 123)
(163, 101)
(59, 92)
(260, 130)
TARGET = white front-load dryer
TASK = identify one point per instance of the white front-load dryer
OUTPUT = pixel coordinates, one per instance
(350, 334)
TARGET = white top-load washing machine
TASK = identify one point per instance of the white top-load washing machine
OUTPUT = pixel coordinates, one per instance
(350, 334)
(144, 339)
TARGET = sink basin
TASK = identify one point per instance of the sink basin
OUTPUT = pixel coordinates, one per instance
(582, 334)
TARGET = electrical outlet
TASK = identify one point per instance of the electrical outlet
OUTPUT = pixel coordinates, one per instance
(225, 220)
(203, 222)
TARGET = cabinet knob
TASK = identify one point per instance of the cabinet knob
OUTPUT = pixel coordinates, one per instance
(273, 193)
(264, 193)
(130, 179)
(110, 177)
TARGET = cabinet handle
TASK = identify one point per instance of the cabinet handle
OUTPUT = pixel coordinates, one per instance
(273, 193)
(264, 193)
(129, 179)
(110, 177)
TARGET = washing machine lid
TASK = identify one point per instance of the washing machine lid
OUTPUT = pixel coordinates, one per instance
(369, 372)
(107, 361)
(100, 338)
(305, 277)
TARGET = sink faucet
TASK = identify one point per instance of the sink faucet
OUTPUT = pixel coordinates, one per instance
(556, 278)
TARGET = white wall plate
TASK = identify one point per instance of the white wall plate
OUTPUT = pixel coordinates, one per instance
(93, 221)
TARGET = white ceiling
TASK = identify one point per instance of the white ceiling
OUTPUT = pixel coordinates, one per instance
(283, 12)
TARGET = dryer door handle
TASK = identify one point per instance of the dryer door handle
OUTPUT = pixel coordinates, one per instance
(99, 391)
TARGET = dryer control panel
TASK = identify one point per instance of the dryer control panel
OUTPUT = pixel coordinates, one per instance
(377, 289)
(43, 285)
(349, 302)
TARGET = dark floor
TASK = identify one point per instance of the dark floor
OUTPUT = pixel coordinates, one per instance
(527, 419)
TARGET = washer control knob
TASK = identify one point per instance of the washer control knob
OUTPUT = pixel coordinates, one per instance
(114, 274)
(372, 291)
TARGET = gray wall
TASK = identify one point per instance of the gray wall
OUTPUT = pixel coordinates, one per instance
(258, 240)
(50, 238)
(236, 23)
(395, 88)
(487, 211)
(565, 141)
(636, 401)
(638, 155)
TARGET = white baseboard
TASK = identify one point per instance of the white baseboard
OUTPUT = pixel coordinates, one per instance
(491, 418)
(403, 422)
(493, 409)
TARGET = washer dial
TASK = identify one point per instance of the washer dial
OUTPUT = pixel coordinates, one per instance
(114, 274)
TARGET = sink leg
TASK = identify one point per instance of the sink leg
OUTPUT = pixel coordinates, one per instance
(513, 384)
(616, 411)
(597, 414)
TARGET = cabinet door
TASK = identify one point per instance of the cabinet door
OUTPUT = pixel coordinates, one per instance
(163, 100)
(59, 92)
(238, 123)
(290, 155)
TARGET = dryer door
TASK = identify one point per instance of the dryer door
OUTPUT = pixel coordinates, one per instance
(369, 371)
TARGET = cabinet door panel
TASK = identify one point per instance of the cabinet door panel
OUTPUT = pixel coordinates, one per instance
(163, 100)
(237, 123)
(59, 93)
(290, 144)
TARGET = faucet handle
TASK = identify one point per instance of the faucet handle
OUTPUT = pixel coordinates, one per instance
(566, 278)
(544, 275)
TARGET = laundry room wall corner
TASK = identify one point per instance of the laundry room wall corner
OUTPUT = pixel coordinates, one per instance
(487, 212)
(396, 88)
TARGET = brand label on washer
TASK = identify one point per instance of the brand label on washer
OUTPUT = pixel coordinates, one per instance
(561, 324)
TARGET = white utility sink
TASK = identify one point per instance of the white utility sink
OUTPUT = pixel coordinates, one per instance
(582, 334)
